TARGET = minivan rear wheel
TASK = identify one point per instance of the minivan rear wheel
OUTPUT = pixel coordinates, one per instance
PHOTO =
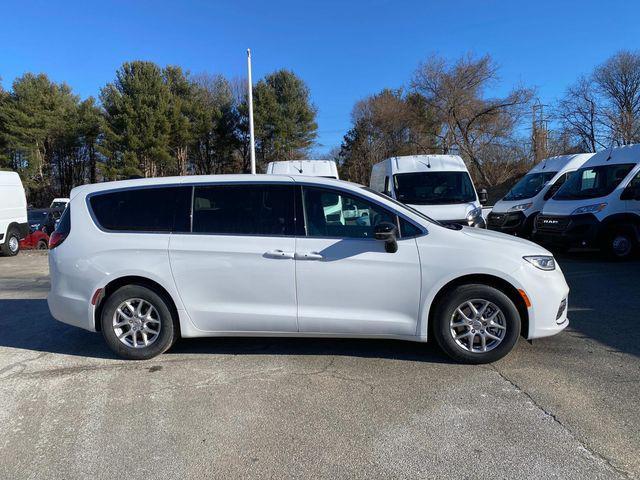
(12, 243)
(476, 324)
(137, 323)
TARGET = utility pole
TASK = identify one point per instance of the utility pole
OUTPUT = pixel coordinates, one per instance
(252, 141)
(539, 132)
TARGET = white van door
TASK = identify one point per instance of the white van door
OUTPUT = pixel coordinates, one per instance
(235, 272)
(633, 203)
(346, 281)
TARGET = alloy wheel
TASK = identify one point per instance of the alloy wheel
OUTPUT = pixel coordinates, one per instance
(136, 323)
(478, 326)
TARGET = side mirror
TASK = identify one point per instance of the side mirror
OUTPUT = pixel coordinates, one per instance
(483, 196)
(386, 232)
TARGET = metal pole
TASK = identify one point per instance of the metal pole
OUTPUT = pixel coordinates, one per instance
(250, 95)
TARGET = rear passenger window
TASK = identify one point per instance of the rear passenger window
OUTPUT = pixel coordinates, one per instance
(156, 209)
(244, 210)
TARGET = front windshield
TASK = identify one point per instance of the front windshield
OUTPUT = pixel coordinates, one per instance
(593, 182)
(434, 188)
(529, 185)
(36, 216)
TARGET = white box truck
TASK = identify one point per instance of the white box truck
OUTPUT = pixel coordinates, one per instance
(598, 206)
(518, 209)
(437, 185)
(13, 213)
(311, 168)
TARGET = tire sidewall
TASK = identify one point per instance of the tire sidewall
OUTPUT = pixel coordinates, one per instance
(612, 236)
(459, 295)
(6, 250)
(168, 329)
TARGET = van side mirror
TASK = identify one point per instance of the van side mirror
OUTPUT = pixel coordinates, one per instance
(483, 196)
(386, 232)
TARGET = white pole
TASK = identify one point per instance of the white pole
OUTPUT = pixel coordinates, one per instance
(250, 92)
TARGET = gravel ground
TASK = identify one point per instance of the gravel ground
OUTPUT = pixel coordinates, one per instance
(564, 407)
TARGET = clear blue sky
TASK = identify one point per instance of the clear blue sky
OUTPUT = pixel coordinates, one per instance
(344, 50)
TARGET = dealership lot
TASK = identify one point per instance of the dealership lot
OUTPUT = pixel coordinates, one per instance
(563, 407)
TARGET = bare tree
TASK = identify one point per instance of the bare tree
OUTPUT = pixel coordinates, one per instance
(456, 92)
(618, 81)
(581, 116)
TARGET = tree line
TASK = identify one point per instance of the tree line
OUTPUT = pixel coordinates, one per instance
(149, 121)
(448, 107)
(155, 121)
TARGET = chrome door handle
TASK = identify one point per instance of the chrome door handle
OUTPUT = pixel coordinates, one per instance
(308, 256)
(278, 254)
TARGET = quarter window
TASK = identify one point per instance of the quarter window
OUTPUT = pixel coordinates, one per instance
(244, 210)
(156, 209)
(330, 213)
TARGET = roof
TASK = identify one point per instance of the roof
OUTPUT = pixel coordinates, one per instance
(560, 162)
(625, 154)
(421, 163)
(303, 167)
(9, 178)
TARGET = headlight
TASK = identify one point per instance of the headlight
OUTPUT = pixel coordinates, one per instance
(543, 262)
(596, 207)
(473, 214)
(520, 208)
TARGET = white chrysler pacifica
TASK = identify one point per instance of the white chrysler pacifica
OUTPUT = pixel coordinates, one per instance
(148, 261)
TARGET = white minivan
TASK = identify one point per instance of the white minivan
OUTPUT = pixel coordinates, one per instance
(311, 168)
(150, 260)
(516, 212)
(598, 206)
(13, 213)
(437, 185)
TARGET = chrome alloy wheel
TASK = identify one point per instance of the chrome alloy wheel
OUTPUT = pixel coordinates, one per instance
(13, 243)
(478, 326)
(136, 323)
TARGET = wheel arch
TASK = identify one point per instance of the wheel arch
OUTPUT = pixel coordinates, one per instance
(116, 283)
(484, 279)
(621, 220)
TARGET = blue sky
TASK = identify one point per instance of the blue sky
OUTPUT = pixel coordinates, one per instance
(344, 50)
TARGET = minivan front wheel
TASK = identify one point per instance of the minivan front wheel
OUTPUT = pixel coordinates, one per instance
(137, 323)
(476, 324)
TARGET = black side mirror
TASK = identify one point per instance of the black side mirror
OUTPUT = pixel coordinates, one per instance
(483, 196)
(386, 232)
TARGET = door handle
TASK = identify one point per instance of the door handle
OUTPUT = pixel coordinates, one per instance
(278, 254)
(308, 256)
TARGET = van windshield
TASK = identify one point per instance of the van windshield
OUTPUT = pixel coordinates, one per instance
(593, 182)
(529, 185)
(434, 188)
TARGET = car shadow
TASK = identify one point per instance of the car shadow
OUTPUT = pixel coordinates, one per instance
(27, 324)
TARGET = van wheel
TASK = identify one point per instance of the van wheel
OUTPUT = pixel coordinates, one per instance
(11, 245)
(620, 244)
(137, 323)
(476, 324)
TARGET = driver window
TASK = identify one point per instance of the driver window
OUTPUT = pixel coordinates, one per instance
(556, 186)
(330, 213)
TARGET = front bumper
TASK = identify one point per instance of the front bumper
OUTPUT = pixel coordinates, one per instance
(567, 231)
(514, 223)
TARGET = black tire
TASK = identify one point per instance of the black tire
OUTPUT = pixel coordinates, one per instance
(42, 245)
(620, 243)
(12, 236)
(168, 329)
(446, 308)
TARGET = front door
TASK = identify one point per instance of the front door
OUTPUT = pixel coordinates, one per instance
(347, 282)
(235, 271)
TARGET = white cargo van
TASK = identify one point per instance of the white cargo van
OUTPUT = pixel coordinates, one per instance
(311, 168)
(598, 206)
(13, 213)
(437, 185)
(517, 211)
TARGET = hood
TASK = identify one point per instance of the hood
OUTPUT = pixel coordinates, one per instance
(447, 212)
(565, 207)
(503, 241)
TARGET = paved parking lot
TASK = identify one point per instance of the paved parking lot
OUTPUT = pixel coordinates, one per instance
(564, 407)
